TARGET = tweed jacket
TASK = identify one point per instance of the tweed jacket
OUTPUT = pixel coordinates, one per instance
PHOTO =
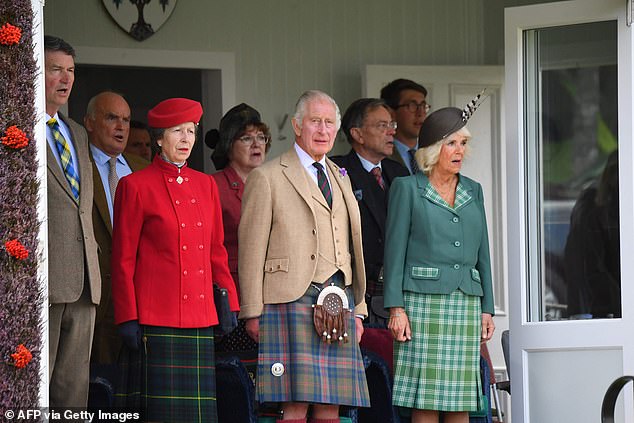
(103, 230)
(278, 236)
(372, 200)
(230, 190)
(434, 249)
(167, 248)
(72, 248)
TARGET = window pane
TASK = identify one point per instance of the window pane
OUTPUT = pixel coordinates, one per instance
(573, 227)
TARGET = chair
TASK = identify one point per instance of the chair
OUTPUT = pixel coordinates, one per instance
(506, 385)
(484, 353)
(234, 391)
(379, 380)
(610, 397)
(100, 394)
(101, 387)
(484, 414)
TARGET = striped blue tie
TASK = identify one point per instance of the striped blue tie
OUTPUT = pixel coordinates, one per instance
(65, 157)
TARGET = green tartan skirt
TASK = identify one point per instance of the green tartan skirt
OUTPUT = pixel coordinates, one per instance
(438, 369)
(172, 377)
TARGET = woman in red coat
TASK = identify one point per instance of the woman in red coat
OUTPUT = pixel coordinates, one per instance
(167, 253)
(240, 145)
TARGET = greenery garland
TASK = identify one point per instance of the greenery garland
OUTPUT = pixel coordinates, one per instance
(21, 328)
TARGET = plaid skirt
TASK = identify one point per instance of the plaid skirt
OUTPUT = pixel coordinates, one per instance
(172, 377)
(294, 365)
(438, 369)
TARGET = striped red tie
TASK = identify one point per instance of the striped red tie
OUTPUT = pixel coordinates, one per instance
(376, 171)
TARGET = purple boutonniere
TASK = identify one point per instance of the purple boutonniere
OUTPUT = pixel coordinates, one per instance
(343, 172)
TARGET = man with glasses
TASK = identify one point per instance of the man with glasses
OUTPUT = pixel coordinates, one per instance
(407, 99)
(369, 128)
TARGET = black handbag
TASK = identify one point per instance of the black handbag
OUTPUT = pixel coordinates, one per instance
(227, 320)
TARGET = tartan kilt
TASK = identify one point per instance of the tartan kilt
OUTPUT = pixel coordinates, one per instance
(439, 368)
(172, 377)
(314, 372)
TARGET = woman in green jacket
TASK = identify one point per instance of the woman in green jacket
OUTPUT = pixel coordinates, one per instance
(438, 276)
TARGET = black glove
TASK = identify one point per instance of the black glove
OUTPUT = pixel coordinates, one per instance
(131, 333)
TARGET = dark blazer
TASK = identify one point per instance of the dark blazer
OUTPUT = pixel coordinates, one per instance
(433, 249)
(373, 207)
(106, 341)
(72, 249)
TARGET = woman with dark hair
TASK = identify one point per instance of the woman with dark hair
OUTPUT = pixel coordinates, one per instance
(240, 145)
(167, 253)
(438, 276)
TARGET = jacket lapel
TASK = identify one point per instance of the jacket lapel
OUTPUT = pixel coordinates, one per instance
(338, 178)
(57, 172)
(234, 180)
(99, 197)
(370, 189)
(296, 175)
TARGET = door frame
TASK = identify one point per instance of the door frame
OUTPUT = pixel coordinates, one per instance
(529, 337)
(210, 64)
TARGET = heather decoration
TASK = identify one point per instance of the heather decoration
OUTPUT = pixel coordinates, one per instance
(22, 297)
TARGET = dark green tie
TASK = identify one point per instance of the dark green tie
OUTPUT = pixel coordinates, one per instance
(323, 184)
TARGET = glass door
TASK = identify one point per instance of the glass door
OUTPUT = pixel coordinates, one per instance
(569, 196)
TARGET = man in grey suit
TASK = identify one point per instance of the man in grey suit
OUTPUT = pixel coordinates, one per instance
(107, 122)
(74, 284)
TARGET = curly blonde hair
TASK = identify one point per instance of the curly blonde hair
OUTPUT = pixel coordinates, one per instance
(427, 157)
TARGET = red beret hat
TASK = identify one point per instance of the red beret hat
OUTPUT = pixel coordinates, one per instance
(174, 111)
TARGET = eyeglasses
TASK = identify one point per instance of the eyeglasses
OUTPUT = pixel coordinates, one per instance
(383, 126)
(414, 107)
(259, 139)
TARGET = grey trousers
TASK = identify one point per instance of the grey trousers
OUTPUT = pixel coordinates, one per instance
(71, 327)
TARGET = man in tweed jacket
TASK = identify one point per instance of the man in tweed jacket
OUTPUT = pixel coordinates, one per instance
(293, 242)
(74, 283)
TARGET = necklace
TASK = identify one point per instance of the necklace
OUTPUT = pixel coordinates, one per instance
(447, 190)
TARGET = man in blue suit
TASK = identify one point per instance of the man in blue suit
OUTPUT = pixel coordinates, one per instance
(369, 128)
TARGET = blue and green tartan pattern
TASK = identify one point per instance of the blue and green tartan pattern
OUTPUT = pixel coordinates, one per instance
(172, 378)
(65, 157)
(314, 371)
(438, 369)
(462, 197)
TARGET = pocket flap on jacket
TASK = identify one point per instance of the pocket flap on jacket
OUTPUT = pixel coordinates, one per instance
(475, 275)
(276, 265)
(425, 272)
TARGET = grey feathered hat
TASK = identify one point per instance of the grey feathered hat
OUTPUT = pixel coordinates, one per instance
(444, 122)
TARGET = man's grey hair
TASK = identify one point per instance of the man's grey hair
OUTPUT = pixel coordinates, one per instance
(312, 95)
